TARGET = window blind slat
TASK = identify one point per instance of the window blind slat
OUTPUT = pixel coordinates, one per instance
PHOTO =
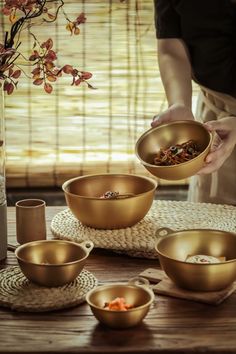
(75, 130)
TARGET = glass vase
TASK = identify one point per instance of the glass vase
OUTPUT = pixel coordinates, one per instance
(3, 200)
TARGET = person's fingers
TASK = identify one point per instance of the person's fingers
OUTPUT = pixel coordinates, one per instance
(160, 119)
(221, 124)
(215, 159)
(216, 142)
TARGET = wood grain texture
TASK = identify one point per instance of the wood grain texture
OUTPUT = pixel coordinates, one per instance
(171, 326)
(164, 286)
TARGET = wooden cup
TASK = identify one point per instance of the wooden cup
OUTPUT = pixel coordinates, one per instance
(30, 220)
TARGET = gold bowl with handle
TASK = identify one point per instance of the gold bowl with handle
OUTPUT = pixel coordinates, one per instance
(170, 134)
(83, 197)
(136, 292)
(174, 248)
(52, 263)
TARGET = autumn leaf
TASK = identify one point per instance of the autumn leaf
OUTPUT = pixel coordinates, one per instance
(48, 44)
(86, 75)
(76, 31)
(38, 82)
(36, 71)
(47, 88)
(51, 78)
(70, 27)
(78, 82)
(16, 74)
(68, 69)
(8, 87)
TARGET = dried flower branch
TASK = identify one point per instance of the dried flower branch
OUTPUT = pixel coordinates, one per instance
(21, 15)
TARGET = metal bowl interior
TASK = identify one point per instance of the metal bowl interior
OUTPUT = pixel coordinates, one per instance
(170, 134)
(176, 247)
(52, 262)
(140, 297)
(83, 198)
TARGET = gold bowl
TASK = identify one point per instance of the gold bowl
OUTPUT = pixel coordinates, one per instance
(174, 247)
(140, 296)
(83, 198)
(52, 262)
(170, 134)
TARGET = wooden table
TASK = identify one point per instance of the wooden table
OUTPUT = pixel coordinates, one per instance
(171, 326)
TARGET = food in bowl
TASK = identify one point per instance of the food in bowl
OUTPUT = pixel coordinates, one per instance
(118, 304)
(202, 258)
(176, 154)
(109, 195)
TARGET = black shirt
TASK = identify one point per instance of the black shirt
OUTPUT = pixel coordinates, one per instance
(208, 28)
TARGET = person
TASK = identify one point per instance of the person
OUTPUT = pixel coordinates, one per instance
(196, 40)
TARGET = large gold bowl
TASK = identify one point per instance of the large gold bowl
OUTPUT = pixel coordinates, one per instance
(52, 262)
(170, 134)
(174, 249)
(83, 198)
(141, 297)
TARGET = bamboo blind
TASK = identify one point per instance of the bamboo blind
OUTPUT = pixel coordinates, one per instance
(75, 130)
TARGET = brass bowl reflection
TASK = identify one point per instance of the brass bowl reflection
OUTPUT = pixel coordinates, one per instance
(52, 262)
(170, 134)
(83, 198)
(141, 297)
(174, 248)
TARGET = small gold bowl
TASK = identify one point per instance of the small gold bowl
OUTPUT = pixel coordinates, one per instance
(52, 262)
(83, 198)
(170, 134)
(174, 248)
(140, 296)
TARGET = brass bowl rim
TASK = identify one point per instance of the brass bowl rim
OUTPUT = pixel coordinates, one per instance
(175, 234)
(151, 130)
(68, 182)
(28, 244)
(105, 287)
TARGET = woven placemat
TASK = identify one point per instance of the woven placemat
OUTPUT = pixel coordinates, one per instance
(139, 240)
(18, 293)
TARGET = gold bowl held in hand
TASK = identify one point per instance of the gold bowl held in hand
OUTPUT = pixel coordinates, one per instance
(169, 136)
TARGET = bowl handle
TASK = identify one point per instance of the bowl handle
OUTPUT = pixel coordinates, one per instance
(139, 281)
(162, 232)
(87, 246)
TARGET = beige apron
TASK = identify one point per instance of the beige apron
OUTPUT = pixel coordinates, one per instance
(220, 186)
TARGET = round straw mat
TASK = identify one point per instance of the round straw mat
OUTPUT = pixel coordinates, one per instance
(139, 240)
(18, 293)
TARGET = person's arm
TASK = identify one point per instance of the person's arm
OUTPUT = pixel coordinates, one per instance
(175, 70)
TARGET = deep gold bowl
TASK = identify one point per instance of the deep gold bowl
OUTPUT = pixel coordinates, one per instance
(174, 249)
(52, 262)
(170, 134)
(83, 198)
(140, 296)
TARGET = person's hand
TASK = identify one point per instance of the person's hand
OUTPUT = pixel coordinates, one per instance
(174, 112)
(223, 143)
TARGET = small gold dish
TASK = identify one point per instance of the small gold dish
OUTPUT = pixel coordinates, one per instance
(136, 292)
(52, 262)
(174, 247)
(83, 198)
(170, 134)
